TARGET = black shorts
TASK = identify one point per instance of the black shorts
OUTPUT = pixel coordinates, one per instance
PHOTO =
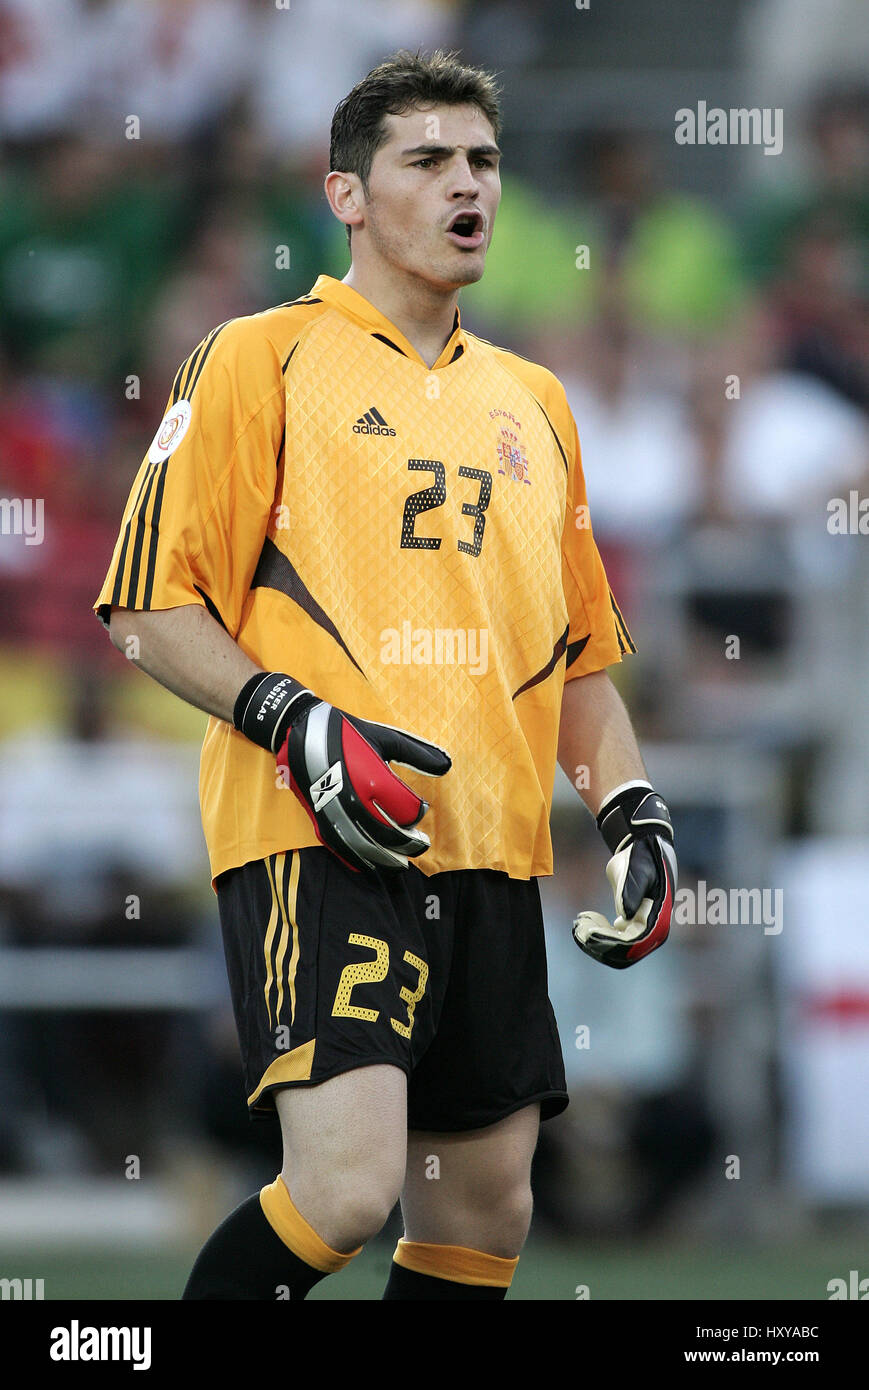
(443, 976)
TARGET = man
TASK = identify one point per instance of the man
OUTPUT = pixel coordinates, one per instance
(360, 535)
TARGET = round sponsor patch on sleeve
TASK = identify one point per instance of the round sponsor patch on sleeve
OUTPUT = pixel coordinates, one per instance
(170, 432)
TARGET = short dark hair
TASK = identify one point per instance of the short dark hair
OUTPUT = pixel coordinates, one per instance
(398, 84)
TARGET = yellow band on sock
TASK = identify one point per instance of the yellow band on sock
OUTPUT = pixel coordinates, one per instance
(294, 1231)
(456, 1262)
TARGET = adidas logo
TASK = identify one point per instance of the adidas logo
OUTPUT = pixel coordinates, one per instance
(372, 422)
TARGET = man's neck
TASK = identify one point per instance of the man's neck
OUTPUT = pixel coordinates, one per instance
(423, 314)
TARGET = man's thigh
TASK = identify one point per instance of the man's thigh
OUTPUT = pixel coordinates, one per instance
(353, 1122)
(344, 1151)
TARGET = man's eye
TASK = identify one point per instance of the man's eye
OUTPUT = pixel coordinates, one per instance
(421, 162)
(486, 163)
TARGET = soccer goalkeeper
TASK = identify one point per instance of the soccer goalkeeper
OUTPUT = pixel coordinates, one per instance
(347, 497)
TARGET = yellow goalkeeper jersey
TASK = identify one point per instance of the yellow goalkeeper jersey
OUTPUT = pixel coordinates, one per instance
(411, 543)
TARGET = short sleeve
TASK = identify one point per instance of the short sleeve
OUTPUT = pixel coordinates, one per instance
(197, 514)
(597, 634)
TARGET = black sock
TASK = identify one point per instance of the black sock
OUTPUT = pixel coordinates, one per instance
(407, 1284)
(246, 1259)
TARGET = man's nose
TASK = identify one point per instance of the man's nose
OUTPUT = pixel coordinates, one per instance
(464, 178)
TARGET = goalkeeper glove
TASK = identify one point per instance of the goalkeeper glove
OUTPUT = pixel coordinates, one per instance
(337, 766)
(636, 826)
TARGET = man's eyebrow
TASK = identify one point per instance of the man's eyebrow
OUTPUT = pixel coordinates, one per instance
(445, 151)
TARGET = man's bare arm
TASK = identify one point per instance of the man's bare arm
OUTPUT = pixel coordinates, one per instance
(188, 652)
(596, 733)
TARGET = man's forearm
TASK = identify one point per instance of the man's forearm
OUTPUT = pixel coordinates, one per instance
(597, 747)
(188, 652)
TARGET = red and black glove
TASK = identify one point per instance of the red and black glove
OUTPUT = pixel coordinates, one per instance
(337, 766)
(635, 823)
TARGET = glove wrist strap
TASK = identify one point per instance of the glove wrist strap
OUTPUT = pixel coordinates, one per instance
(267, 705)
(633, 812)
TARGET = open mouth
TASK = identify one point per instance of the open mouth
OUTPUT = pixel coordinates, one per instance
(466, 230)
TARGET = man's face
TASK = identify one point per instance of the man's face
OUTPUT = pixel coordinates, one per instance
(433, 192)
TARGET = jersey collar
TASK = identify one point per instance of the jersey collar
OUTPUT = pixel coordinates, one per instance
(363, 312)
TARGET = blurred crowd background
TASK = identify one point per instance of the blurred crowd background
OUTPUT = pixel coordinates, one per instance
(161, 171)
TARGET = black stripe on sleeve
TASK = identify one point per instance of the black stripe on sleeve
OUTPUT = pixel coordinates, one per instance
(122, 561)
(119, 573)
(176, 384)
(622, 648)
(155, 533)
(191, 364)
(625, 640)
(146, 482)
(133, 584)
(191, 387)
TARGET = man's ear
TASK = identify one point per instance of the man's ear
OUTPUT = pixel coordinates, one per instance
(346, 197)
